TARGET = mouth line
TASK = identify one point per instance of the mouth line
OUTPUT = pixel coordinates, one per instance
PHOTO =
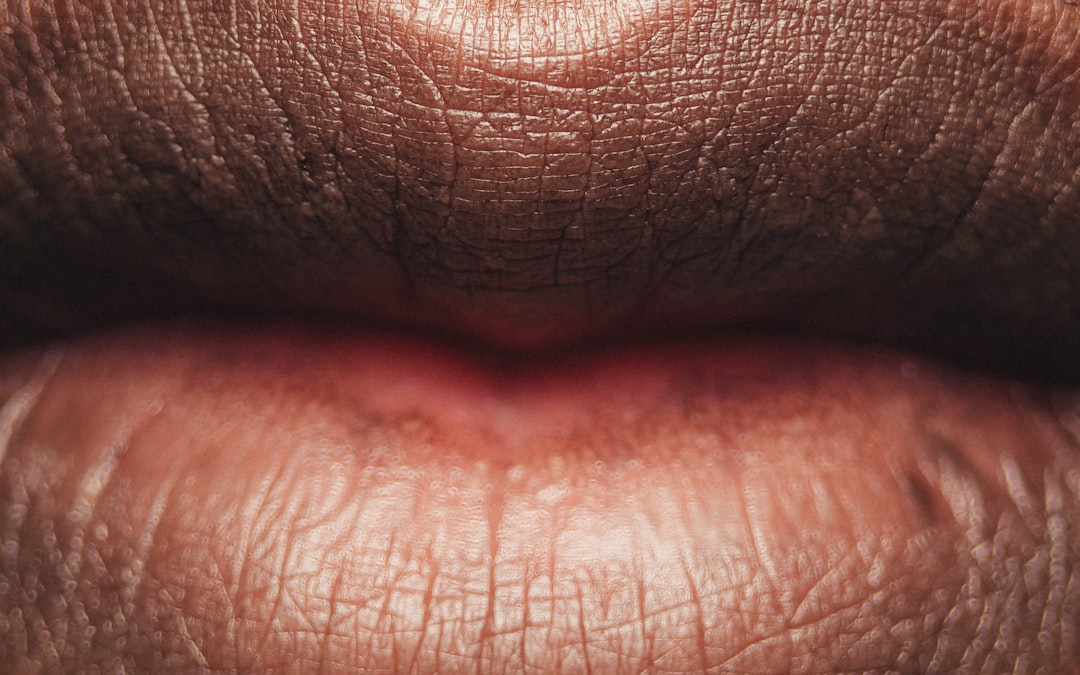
(1008, 354)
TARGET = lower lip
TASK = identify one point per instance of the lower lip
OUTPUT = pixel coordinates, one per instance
(382, 502)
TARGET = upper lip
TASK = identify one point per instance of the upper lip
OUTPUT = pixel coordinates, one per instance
(436, 186)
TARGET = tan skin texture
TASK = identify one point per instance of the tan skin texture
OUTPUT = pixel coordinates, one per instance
(205, 495)
(636, 167)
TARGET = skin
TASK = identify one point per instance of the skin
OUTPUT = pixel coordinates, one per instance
(705, 164)
(464, 465)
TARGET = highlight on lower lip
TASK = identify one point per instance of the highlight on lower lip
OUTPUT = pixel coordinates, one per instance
(247, 498)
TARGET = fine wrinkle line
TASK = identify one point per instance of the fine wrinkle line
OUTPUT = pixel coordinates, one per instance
(16, 408)
(915, 487)
(1023, 497)
(190, 644)
(1058, 622)
(943, 465)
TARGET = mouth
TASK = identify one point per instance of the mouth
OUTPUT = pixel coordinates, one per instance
(651, 338)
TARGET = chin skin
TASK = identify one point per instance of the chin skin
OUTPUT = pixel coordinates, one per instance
(218, 498)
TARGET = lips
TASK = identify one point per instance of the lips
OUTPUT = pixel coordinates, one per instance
(524, 378)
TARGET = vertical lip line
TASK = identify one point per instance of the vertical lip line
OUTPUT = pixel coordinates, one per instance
(19, 404)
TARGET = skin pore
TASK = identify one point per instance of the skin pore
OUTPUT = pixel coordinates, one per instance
(537, 337)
